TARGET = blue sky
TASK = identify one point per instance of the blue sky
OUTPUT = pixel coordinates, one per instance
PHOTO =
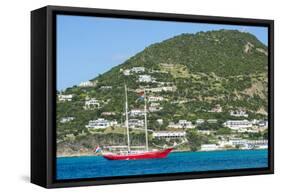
(88, 46)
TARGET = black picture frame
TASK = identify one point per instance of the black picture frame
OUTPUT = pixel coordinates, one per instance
(43, 95)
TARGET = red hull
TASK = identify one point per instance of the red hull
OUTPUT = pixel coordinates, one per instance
(139, 156)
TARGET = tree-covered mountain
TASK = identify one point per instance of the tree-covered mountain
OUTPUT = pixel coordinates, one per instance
(225, 68)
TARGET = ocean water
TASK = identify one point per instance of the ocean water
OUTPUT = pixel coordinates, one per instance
(97, 166)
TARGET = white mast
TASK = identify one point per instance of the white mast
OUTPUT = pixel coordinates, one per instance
(127, 120)
(145, 122)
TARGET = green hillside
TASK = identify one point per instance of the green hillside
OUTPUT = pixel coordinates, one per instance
(225, 68)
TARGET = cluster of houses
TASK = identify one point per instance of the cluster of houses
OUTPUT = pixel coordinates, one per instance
(101, 123)
(133, 70)
(246, 125)
(174, 129)
(236, 143)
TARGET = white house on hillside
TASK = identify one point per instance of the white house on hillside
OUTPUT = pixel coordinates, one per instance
(169, 134)
(209, 147)
(200, 121)
(100, 124)
(66, 119)
(65, 97)
(182, 124)
(238, 124)
(136, 123)
(155, 98)
(138, 69)
(239, 113)
(92, 104)
(126, 72)
(86, 84)
(146, 78)
(136, 112)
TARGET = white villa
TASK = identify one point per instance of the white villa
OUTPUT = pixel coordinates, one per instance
(146, 78)
(263, 124)
(65, 97)
(138, 69)
(239, 113)
(136, 112)
(136, 123)
(108, 113)
(164, 89)
(244, 143)
(238, 124)
(169, 134)
(199, 121)
(92, 104)
(86, 84)
(155, 98)
(182, 124)
(126, 72)
(160, 121)
(66, 119)
(100, 124)
(105, 87)
(154, 108)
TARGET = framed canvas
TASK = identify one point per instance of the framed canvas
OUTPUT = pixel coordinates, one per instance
(125, 96)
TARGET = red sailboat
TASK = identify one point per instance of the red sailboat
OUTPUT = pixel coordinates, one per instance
(137, 155)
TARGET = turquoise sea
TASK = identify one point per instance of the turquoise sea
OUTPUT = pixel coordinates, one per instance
(97, 166)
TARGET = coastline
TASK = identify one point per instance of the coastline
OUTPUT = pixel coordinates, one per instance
(87, 154)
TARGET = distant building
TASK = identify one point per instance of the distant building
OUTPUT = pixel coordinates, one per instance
(245, 144)
(237, 124)
(263, 124)
(154, 108)
(66, 119)
(154, 104)
(182, 124)
(155, 98)
(106, 87)
(239, 113)
(108, 113)
(160, 121)
(164, 89)
(208, 147)
(169, 88)
(154, 89)
(100, 124)
(65, 97)
(136, 123)
(136, 112)
(126, 72)
(146, 78)
(138, 69)
(200, 121)
(92, 104)
(87, 84)
(168, 134)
